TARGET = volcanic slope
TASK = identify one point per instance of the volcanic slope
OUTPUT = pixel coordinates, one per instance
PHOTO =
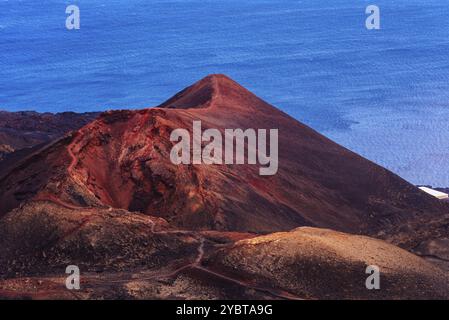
(121, 160)
(126, 255)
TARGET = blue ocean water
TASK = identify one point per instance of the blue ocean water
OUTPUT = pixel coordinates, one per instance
(383, 94)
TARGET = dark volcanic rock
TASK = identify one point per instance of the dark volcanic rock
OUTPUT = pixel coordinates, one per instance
(26, 129)
(43, 237)
(4, 150)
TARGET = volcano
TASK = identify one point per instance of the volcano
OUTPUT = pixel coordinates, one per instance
(121, 160)
(114, 177)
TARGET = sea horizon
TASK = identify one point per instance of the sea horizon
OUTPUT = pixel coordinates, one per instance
(381, 93)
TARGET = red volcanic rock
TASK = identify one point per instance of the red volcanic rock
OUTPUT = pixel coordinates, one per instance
(122, 160)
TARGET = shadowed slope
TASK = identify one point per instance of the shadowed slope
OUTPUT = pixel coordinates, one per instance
(19, 130)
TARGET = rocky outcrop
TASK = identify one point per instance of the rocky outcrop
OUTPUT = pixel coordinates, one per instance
(26, 129)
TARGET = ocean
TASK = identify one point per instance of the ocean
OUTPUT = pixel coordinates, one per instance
(381, 93)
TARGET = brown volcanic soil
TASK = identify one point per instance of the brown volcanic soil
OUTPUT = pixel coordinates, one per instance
(125, 255)
(122, 160)
(26, 129)
(324, 264)
(43, 237)
(428, 238)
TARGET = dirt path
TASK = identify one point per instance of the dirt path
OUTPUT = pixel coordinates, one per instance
(74, 159)
(52, 198)
(275, 293)
(197, 264)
